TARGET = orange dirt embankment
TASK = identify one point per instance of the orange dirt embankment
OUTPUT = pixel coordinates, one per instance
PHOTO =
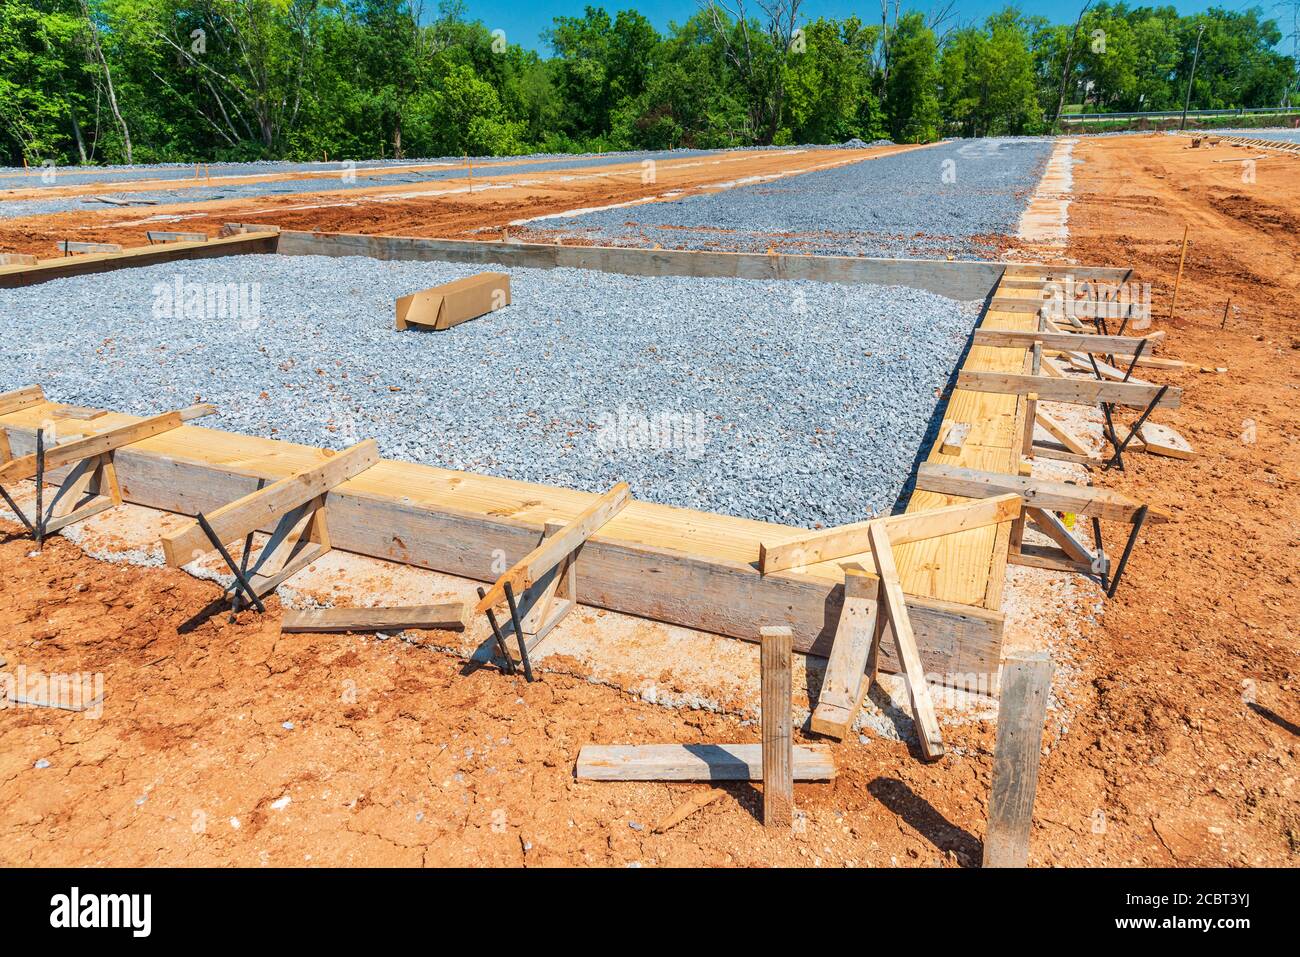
(444, 208)
(1186, 740)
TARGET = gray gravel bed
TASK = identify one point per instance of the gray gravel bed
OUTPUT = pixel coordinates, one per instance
(921, 203)
(1282, 135)
(797, 402)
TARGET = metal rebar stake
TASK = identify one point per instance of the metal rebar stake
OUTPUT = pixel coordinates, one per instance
(496, 633)
(40, 487)
(1139, 518)
(230, 562)
(519, 632)
(13, 507)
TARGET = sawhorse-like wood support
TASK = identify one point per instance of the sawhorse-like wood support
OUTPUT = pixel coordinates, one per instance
(297, 505)
(547, 576)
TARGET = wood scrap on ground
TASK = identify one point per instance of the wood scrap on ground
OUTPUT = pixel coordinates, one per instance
(449, 616)
(697, 801)
(696, 762)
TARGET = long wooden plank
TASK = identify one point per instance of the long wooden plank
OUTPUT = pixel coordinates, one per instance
(891, 589)
(1055, 529)
(1059, 432)
(845, 540)
(58, 456)
(19, 399)
(256, 510)
(1075, 391)
(1040, 493)
(778, 726)
(842, 686)
(680, 566)
(449, 616)
(554, 548)
(1162, 440)
(1072, 341)
(1026, 686)
(696, 762)
(47, 269)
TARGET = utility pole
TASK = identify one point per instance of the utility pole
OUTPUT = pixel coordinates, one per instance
(1195, 59)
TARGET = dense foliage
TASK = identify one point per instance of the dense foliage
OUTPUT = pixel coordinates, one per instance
(183, 80)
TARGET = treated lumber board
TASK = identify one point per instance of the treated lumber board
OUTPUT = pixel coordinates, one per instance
(67, 453)
(1016, 304)
(76, 412)
(1074, 391)
(680, 566)
(1073, 341)
(960, 279)
(48, 269)
(1060, 433)
(844, 540)
(268, 505)
(168, 236)
(1040, 493)
(1162, 440)
(449, 616)
(72, 246)
(843, 685)
(19, 399)
(1081, 362)
(954, 437)
(891, 590)
(554, 548)
(1051, 558)
(17, 259)
(696, 762)
(1055, 529)
(778, 726)
(1026, 686)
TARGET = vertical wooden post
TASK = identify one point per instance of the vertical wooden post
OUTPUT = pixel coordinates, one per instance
(1182, 257)
(1026, 683)
(778, 735)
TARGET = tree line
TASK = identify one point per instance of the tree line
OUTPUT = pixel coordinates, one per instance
(120, 81)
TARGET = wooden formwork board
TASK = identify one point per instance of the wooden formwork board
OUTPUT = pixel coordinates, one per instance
(58, 268)
(695, 569)
(677, 565)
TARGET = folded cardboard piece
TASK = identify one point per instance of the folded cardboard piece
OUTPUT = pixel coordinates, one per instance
(454, 302)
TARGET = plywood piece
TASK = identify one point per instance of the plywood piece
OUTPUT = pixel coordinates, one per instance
(696, 762)
(1163, 440)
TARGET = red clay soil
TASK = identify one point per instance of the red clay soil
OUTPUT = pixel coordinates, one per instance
(1187, 735)
(1180, 747)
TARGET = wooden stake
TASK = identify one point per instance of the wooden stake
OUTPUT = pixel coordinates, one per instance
(1182, 257)
(1026, 682)
(778, 735)
(1226, 306)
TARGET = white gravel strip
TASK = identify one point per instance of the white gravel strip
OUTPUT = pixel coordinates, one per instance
(796, 402)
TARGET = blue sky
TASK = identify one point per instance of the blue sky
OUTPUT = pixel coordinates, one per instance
(523, 22)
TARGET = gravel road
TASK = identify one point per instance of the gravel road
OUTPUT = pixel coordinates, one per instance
(922, 203)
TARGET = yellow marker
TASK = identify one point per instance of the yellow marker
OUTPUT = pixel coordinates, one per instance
(1067, 518)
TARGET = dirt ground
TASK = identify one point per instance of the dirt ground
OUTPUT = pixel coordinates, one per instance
(1181, 748)
(480, 206)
